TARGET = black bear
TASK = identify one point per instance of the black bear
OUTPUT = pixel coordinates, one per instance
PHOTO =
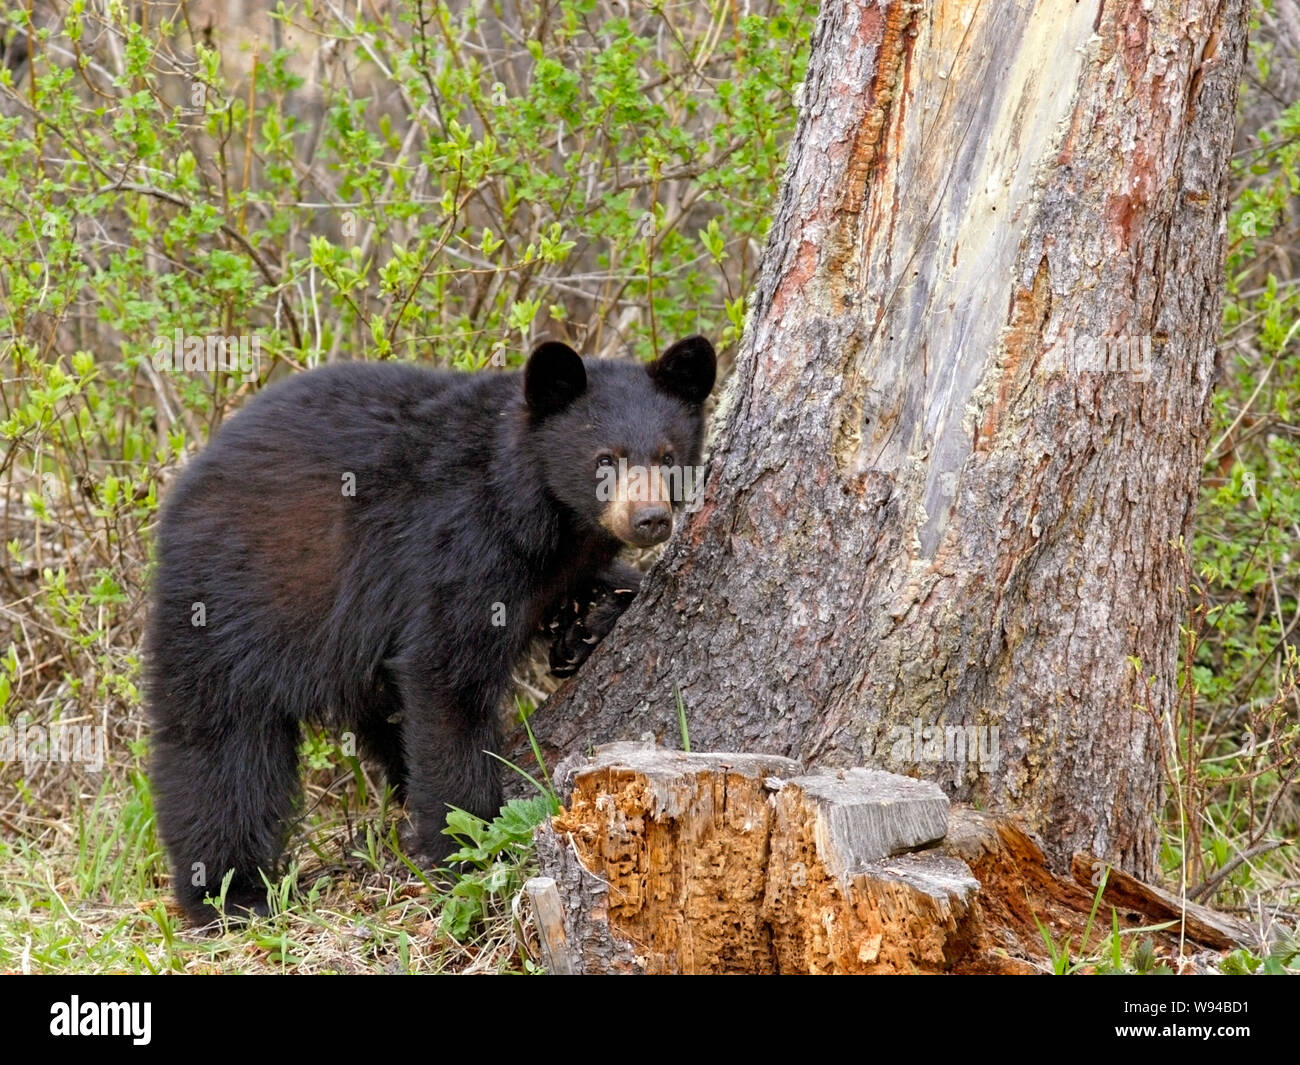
(372, 546)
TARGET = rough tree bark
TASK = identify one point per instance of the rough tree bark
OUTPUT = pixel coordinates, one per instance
(928, 502)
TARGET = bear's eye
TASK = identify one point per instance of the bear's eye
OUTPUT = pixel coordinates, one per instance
(604, 459)
(667, 460)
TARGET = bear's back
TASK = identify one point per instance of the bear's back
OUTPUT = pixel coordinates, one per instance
(267, 529)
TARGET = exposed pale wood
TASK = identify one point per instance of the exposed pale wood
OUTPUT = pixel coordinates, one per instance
(863, 815)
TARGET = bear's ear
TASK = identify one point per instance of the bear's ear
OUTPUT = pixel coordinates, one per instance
(686, 370)
(553, 378)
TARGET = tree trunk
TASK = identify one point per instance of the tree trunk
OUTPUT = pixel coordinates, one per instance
(963, 437)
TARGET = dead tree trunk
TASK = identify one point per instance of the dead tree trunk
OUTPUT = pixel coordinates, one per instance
(965, 429)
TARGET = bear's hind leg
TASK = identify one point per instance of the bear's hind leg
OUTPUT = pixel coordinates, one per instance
(224, 800)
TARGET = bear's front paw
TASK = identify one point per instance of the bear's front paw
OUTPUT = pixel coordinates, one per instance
(580, 624)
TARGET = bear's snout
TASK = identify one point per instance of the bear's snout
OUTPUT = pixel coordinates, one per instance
(651, 524)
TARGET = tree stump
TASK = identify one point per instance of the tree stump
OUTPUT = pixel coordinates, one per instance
(671, 862)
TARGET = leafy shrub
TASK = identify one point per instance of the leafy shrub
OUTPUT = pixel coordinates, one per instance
(1235, 753)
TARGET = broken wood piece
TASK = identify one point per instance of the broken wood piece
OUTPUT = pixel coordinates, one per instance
(548, 914)
(863, 815)
(1126, 892)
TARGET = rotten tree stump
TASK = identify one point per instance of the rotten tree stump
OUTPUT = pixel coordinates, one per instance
(668, 862)
(732, 863)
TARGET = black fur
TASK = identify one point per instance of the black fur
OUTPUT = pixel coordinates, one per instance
(396, 612)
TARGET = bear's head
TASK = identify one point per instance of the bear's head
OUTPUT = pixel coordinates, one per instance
(618, 442)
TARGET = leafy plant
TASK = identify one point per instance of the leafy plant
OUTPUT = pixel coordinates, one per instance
(498, 853)
(1232, 751)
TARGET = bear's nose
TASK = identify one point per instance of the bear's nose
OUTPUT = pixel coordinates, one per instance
(652, 524)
